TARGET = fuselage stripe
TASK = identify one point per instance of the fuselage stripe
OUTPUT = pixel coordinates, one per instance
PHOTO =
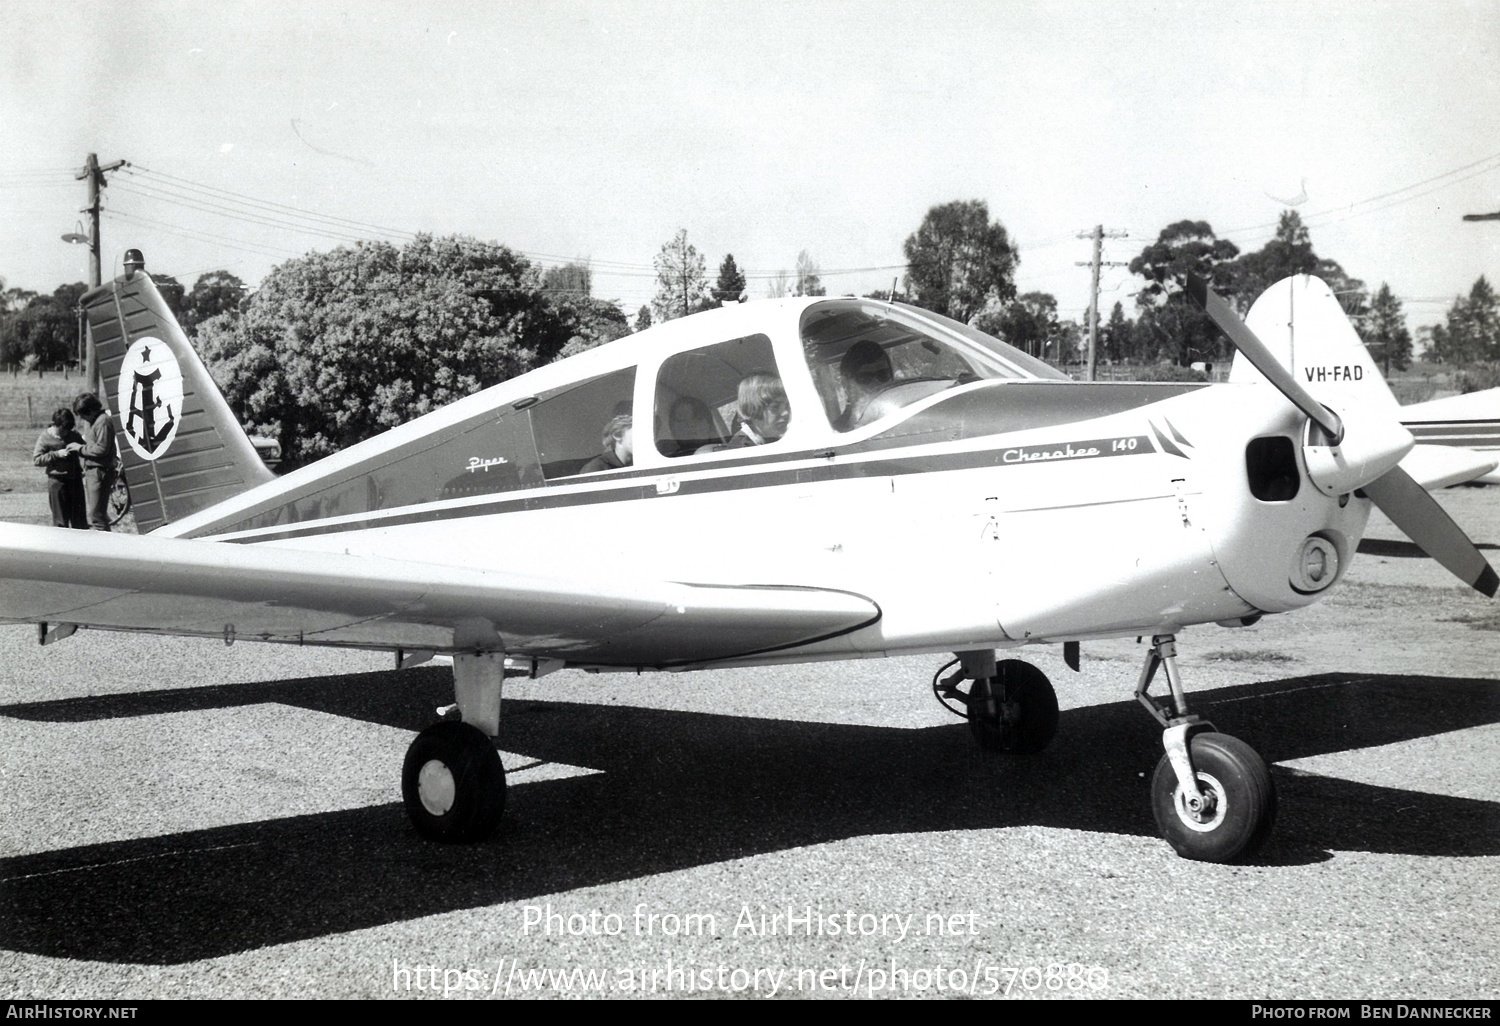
(807, 472)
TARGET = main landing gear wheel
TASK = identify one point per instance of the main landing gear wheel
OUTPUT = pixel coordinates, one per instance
(1238, 807)
(1014, 711)
(453, 783)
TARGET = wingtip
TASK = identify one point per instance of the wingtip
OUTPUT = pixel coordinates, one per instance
(1488, 582)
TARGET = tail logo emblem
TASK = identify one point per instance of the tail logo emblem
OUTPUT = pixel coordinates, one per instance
(150, 397)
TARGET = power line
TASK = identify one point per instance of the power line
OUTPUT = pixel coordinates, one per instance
(197, 235)
(227, 203)
(1484, 166)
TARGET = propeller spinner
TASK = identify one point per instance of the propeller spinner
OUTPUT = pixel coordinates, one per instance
(1341, 460)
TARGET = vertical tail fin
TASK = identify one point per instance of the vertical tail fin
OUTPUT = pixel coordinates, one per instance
(181, 447)
(1301, 322)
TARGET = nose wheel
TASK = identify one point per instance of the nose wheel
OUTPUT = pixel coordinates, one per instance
(1212, 794)
(1231, 814)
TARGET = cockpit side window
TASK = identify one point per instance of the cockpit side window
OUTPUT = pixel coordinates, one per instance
(586, 428)
(869, 360)
(723, 396)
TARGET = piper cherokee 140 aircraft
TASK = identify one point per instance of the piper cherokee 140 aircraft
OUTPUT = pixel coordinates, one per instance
(769, 482)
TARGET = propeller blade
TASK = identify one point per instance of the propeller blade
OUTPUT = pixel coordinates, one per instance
(1261, 358)
(1418, 514)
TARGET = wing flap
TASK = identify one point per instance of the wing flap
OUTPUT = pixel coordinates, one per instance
(177, 586)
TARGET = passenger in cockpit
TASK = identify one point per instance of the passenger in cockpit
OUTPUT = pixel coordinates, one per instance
(692, 427)
(866, 370)
(763, 409)
(618, 443)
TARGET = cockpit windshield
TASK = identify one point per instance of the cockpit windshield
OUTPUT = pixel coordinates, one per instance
(869, 359)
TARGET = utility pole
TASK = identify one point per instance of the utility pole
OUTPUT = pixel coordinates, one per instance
(1098, 235)
(94, 174)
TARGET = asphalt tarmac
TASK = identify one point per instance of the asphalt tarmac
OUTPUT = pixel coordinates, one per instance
(190, 820)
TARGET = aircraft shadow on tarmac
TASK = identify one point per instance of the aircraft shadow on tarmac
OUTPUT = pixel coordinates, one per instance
(1402, 549)
(688, 789)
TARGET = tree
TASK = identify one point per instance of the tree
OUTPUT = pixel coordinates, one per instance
(779, 286)
(336, 347)
(172, 292)
(957, 262)
(1115, 338)
(809, 283)
(1170, 323)
(1029, 322)
(1472, 330)
(1386, 335)
(1290, 252)
(731, 281)
(590, 322)
(1183, 248)
(44, 332)
(570, 280)
(14, 299)
(213, 293)
(681, 280)
(643, 318)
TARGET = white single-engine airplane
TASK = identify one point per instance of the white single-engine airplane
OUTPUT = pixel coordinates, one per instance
(803, 479)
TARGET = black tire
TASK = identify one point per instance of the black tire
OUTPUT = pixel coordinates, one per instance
(1244, 801)
(453, 783)
(1014, 712)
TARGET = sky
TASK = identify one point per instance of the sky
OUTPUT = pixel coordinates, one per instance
(594, 130)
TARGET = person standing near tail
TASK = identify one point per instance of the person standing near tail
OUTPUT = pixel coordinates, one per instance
(98, 456)
(56, 452)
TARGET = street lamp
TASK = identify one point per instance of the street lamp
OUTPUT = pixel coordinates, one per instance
(76, 237)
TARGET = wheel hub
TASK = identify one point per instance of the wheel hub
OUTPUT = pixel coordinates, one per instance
(1205, 814)
(436, 787)
(1010, 712)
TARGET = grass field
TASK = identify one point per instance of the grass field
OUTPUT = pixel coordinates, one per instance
(28, 401)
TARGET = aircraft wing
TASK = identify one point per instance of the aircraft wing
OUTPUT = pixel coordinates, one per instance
(1440, 466)
(1468, 423)
(174, 586)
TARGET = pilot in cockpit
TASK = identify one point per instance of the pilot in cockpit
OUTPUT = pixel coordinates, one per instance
(691, 426)
(866, 371)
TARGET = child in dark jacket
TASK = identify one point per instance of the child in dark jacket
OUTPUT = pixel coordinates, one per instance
(56, 452)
